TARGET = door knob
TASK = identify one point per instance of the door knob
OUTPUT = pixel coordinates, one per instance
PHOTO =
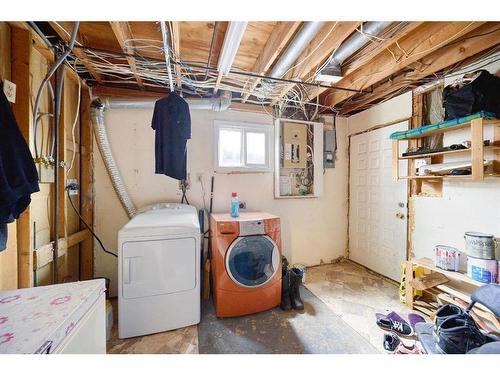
(400, 215)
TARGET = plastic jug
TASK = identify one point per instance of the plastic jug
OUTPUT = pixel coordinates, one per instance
(235, 205)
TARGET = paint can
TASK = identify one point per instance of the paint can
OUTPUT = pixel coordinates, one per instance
(482, 270)
(480, 245)
(446, 257)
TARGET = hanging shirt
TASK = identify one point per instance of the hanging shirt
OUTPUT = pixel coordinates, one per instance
(18, 174)
(172, 125)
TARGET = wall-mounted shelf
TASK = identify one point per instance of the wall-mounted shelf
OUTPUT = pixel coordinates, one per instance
(476, 152)
(450, 152)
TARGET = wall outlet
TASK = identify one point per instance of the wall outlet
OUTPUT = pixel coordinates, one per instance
(72, 185)
(243, 205)
(9, 89)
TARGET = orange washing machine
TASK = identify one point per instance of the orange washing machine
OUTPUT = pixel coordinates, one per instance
(246, 263)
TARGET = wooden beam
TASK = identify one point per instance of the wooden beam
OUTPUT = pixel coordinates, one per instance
(20, 75)
(123, 34)
(328, 39)
(277, 41)
(176, 46)
(62, 199)
(79, 53)
(407, 50)
(118, 92)
(381, 47)
(481, 39)
(45, 254)
(86, 186)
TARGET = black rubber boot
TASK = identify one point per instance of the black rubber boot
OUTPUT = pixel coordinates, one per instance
(295, 282)
(286, 304)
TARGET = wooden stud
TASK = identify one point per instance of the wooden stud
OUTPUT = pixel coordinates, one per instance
(123, 34)
(477, 149)
(86, 186)
(408, 284)
(21, 57)
(395, 160)
(62, 199)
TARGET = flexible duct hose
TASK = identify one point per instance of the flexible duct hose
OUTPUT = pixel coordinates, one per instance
(101, 136)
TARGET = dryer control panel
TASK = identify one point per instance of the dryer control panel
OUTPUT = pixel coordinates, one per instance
(252, 227)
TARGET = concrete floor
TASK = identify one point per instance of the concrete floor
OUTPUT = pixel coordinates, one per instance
(355, 295)
(351, 292)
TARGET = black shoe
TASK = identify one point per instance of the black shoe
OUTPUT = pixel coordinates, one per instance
(448, 311)
(391, 342)
(458, 335)
(286, 304)
(401, 328)
(295, 282)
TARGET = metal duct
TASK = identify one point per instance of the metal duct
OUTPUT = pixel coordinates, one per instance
(97, 113)
(299, 43)
(351, 45)
(216, 104)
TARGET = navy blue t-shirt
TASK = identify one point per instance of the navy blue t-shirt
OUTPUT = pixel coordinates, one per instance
(172, 125)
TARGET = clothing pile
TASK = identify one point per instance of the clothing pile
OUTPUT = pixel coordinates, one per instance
(18, 174)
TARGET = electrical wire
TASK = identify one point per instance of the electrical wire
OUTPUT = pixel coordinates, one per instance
(74, 126)
(88, 226)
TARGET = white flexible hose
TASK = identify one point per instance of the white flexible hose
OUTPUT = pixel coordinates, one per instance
(107, 156)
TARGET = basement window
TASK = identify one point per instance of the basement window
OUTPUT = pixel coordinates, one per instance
(243, 147)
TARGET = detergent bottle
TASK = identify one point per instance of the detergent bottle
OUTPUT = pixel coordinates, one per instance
(235, 205)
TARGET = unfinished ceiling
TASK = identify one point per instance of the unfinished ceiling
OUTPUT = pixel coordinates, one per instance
(130, 55)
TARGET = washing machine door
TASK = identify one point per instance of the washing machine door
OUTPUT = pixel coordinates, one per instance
(252, 261)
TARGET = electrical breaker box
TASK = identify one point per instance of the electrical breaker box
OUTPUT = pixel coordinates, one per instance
(294, 145)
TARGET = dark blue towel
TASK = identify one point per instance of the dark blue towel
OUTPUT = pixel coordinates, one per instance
(172, 125)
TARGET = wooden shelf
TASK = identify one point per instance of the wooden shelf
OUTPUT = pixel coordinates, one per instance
(476, 152)
(456, 127)
(457, 177)
(457, 276)
(430, 154)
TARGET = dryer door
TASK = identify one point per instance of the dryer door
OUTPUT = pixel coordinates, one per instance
(151, 268)
(252, 261)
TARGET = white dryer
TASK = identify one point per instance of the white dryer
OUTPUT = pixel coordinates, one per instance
(159, 270)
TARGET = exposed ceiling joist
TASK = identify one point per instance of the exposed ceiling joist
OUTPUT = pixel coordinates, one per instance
(279, 38)
(327, 40)
(79, 53)
(473, 43)
(405, 51)
(124, 37)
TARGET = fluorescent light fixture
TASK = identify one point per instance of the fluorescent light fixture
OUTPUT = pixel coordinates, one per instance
(230, 47)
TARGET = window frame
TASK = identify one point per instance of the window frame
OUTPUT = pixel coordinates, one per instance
(245, 127)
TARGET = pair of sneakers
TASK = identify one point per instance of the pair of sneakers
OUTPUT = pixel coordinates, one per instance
(455, 331)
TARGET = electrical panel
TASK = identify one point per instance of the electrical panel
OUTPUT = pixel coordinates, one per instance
(298, 158)
(294, 145)
(330, 148)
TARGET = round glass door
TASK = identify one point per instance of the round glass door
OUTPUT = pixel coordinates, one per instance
(252, 261)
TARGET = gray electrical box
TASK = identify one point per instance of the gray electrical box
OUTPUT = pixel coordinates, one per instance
(329, 148)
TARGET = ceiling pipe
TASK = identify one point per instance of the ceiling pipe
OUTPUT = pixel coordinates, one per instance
(299, 43)
(332, 72)
(217, 104)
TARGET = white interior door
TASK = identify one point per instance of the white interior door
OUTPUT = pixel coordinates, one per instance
(377, 204)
